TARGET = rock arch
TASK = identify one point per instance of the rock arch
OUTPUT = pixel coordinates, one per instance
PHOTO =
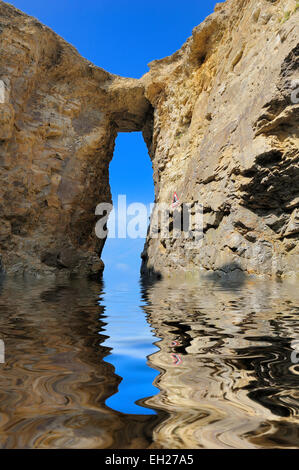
(224, 133)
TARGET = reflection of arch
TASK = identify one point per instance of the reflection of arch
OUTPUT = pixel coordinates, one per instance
(55, 381)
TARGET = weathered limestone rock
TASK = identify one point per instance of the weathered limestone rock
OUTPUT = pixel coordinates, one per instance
(59, 116)
(220, 118)
(225, 134)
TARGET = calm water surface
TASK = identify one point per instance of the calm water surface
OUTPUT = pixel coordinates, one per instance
(172, 364)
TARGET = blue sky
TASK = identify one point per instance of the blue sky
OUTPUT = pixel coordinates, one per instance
(121, 36)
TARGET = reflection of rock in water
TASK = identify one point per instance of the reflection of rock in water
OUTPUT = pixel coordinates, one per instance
(54, 382)
(226, 378)
(233, 384)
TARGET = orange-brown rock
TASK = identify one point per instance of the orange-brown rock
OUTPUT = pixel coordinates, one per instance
(220, 118)
(59, 116)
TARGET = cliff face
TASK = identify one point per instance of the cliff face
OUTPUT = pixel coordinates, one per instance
(224, 133)
(59, 119)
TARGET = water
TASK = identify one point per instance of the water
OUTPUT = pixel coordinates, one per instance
(130, 341)
(172, 364)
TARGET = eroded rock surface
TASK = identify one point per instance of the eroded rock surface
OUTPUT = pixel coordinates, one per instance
(225, 134)
(220, 118)
(59, 116)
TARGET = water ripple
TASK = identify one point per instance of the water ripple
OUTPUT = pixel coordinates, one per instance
(219, 357)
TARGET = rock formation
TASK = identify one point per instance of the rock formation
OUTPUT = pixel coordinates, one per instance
(59, 120)
(220, 118)
(226, 135)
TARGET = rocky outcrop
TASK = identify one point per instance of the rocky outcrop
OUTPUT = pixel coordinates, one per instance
(225, 135)
(59, 118)
(220, 118)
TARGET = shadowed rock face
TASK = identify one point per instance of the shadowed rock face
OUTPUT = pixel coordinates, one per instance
(220, 118)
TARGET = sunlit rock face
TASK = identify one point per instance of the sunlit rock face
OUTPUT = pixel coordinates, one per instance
(220, 118)
(226, 135)
(59, 118)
